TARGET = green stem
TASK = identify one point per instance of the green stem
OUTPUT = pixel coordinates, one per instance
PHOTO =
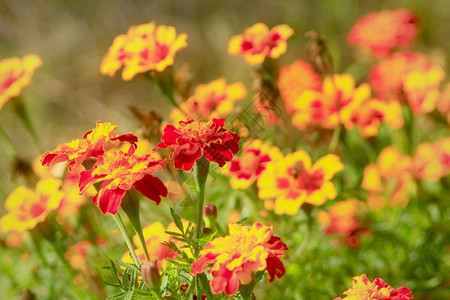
(202, 173)
(7, 144)
(121, 226)
(335, 138)
(21, 112)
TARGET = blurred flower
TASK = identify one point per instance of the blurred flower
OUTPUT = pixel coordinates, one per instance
(77, 255)
(363, 289)
(443, 103)
(381, 32)
(422, 89)
(258, 42)
(387, 179)
(369, 116)
(294, 79)
(247, 168)
(431, 161)
(343, 219)
(333, 105)
(236, 257)
(388, 76)
(15, 74)
(120, 172)
(213, 100)
(293, 180)
(145, 47)
(26, 208)
(93, 144)
(190, 140)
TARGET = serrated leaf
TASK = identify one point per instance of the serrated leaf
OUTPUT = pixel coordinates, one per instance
(177, 220)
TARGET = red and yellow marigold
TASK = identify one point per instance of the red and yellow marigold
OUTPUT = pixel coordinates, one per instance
(381, 32)
(431, 161)
(247, 168)
(15, 74)
(93, 144)
(26, 208)
(258, 42)
(213, 100)
(363, 289)
(144, 48)
(296, 78)
(333, 105)
(190, 140)
(236, 257)
(119, 172)
(294, 180)
(443, 103)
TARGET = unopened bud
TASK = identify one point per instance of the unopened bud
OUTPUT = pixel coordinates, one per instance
(210, 215)
(150, 274)
(207, 231)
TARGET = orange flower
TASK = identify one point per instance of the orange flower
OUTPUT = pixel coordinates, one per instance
(145, 47)
(431, 161)
(247, 168)
(213, 100)
(236, 257)
(26, 208)
(120, 172)
(363, 289)
(190, 140)
(443, 103)
(258, 42)
(293, 180)
(333, 105)
(343, 220)
(15, 74)
(381, 32)
(422, 89)
(295, 79)
(387, 77)
(369, 116)
(93, 144)
(388, 179)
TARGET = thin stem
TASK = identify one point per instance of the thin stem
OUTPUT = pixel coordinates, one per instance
(335, 138)
(19, 108)
(144, 245)
(7, 144)
(202, 173)
(121, 226)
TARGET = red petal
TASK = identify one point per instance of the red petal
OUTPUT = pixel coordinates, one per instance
(110, 200)
(274, 268)
(152, 188)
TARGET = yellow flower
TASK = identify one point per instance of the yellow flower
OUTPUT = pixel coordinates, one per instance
(15, 74)
(293, 180)
(145, 47)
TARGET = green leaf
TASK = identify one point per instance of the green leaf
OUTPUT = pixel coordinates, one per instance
(177, 220)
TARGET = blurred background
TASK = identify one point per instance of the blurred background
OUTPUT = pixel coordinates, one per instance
(68, 94)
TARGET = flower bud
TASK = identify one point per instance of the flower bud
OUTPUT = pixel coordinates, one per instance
(150, 274)
(207, 231)
(210, 215)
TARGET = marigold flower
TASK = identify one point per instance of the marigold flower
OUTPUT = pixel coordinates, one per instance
(247, 168)
(258, 42)
(294, 79)
(443, 103)
(26, 208)
(369, 116)
(422, 89)
(237, 256)
(190, 140)
(213, 100)
(335, 104)
(120, 172)
(93, 144)
(381, 32)
(363, 289)
(343, 219)
(15, 74)
(431, 161)
(293, 180)
(387, 77)
(145, 47)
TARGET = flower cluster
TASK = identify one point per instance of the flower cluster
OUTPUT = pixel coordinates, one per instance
(294, 180)
(258, 42)
(191, 140)
(213, 100)
(237, 256)
(378, 289)
(144, 48)
(15, 74)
